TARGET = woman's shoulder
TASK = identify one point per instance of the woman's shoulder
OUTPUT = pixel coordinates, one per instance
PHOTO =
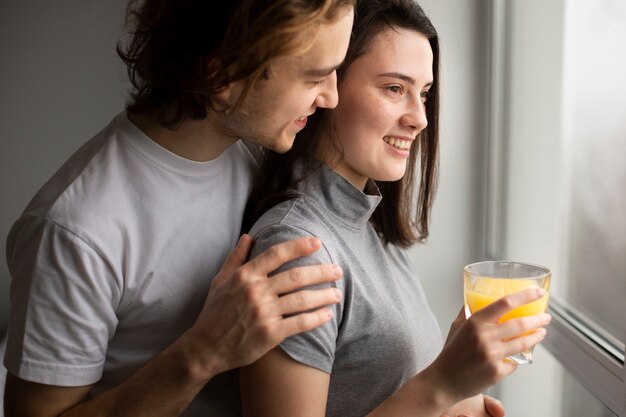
(292, 215)
(288, 220)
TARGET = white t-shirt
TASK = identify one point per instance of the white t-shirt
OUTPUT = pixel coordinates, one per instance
(113, 258)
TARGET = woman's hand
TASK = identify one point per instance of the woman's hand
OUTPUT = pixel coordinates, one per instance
(477, 406)
(473, 357)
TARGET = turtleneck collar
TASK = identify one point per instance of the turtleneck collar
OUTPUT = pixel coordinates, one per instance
(347, 203)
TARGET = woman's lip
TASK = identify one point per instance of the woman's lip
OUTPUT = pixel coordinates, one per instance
(393, 140)
(397, 151)
(407, 138)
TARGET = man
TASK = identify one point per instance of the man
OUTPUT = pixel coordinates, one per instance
(112, 260)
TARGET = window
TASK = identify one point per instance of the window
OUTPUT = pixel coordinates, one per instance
(557, 182)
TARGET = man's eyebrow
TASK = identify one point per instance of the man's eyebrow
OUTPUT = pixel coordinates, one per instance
(403, 77)
(321, 72)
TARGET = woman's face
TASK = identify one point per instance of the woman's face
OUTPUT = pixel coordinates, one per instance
(381, 107)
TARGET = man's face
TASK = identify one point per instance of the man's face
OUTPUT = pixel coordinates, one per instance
(276, 109)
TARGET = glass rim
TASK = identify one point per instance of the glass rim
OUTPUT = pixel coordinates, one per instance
(546, 271)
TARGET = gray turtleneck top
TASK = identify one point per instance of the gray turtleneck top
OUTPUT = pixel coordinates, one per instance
(383, 332)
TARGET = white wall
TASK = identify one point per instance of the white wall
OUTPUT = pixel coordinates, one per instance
(60, 82)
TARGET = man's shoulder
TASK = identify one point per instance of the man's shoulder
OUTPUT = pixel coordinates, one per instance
(86, 188)
(61, 184)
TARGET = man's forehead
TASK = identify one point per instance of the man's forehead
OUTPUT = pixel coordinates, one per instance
(321, 72)
(323, 49)
(317, 63)
(303, 65)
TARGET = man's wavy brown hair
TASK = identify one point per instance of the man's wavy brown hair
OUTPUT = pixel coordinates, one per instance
(181, 53)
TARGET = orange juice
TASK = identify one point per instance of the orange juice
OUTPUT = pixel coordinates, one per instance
(488, 281)
(484, 291)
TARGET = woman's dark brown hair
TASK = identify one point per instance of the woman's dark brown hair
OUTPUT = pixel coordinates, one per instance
(401, 218)
(182, 52)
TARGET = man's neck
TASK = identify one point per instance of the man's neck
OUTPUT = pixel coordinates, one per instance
(192, 139)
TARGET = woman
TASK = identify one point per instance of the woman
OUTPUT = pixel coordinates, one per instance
(348, 181)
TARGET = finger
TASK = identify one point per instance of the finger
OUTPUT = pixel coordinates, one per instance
(505, 304)
(523, 325)
(523, 343)
(301, 301)
(304, 276)
(508, 367)
(282, 253)
(304, 322)
(235, 259)
(494, 407)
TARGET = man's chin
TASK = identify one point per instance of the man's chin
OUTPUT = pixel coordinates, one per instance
(282, 146)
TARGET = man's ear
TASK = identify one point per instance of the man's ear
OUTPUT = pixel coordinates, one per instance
(228, 96)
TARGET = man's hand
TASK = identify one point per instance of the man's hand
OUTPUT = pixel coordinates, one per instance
(243, 316)
(478, 406)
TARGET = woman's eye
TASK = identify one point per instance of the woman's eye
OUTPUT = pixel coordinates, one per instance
(424, 96)
(396, 89)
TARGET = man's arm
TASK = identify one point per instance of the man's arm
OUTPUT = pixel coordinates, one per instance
(242, 320)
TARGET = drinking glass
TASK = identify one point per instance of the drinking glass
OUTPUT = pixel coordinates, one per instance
(486, 282)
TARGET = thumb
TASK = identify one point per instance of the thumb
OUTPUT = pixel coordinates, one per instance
(494, 407)
(235, 259)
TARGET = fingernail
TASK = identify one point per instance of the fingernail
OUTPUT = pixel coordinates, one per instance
(338, 294)
(547, 318)
(314, 242)
(240, 239)
(542, 333)
(328, 313)
(337, 271)
(541, 292)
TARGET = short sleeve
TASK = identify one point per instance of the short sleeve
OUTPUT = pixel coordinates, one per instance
(63, 300)
(315, 348)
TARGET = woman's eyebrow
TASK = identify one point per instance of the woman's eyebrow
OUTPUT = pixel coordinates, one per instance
(404, 77)
(398, 75)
